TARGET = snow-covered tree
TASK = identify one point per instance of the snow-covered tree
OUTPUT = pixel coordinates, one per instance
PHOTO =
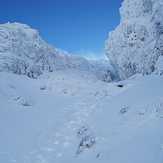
(137, 43)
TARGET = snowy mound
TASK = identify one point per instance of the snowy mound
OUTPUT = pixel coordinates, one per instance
(22, 51)
(136, 45)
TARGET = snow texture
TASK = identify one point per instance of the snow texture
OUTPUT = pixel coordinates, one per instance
(136, 45)
(22, 51)
(56, 118)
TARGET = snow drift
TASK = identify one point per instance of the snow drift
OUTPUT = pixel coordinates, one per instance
(136, 45)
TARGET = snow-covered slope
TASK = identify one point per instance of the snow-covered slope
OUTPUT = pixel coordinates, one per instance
(22, 51)
(136, 45)
(67, 116)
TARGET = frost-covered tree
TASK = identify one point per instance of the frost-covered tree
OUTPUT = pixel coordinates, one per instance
(137, 43)
(22, 51)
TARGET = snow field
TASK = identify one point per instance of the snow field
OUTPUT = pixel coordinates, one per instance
(101, 123)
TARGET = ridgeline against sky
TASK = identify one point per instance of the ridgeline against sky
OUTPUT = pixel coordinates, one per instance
(78, 27)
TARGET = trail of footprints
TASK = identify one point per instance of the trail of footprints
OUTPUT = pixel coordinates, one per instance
(56, 142)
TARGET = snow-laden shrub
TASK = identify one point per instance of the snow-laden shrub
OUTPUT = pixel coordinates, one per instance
(86, 142)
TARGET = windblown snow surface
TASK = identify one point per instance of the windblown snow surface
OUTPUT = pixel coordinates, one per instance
(72, 117)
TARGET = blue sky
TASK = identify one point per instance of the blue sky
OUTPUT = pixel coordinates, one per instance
(75, 26)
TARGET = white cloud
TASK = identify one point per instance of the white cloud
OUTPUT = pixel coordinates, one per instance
(62, 50)
(90, 55)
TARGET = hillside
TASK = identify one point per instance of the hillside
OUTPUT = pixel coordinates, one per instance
(22, 51)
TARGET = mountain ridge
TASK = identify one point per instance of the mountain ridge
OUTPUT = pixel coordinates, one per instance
(22, 51)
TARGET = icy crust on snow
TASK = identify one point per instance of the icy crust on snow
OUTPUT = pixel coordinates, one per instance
(136, 45)
(22, 51)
